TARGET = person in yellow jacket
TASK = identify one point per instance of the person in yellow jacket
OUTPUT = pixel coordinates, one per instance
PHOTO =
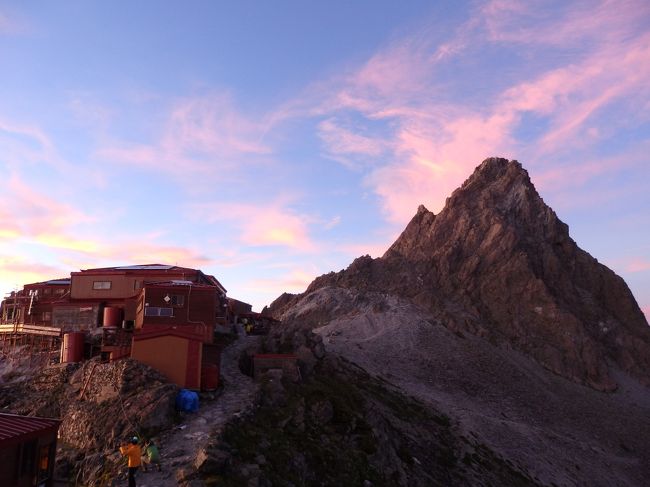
(133, 452)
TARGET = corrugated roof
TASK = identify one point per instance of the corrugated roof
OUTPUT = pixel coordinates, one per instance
(15, 427)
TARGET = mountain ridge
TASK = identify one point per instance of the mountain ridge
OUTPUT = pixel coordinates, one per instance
(498, 262)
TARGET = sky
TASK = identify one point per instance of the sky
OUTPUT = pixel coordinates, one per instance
(267, 143)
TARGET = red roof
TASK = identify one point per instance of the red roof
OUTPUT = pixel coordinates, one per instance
(157, 331)
(15, 428)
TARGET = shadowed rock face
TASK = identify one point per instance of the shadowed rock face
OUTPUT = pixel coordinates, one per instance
(497, 262)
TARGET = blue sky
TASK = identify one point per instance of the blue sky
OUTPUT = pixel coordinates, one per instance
(270, 142)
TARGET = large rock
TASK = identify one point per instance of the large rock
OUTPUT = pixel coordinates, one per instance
(107, 402)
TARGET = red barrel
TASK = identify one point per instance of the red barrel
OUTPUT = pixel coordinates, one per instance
(72, 349)
(112, 317)
(209, 377)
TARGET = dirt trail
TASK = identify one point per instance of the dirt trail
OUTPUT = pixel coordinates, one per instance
(178, 447)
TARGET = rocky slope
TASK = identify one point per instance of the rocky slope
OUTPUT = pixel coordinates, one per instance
(341, 426)
(100, 405)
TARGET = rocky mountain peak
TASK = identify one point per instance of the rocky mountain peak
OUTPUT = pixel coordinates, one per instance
(498, 184)
(499, 263)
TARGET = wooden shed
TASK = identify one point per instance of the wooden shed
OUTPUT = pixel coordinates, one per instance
(176, 352)
(27, 450)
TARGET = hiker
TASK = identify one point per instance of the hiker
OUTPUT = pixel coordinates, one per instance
(151, 456)
(133, 452)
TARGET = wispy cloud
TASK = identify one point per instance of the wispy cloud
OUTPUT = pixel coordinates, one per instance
(334, 222)
(561, 178)
(205, 136)
(90, 111)
(294, 281)
(342, 142)
(17, 271)
(31, 218)
(264, 224)
(637, 264)
(570, 23)
(10, 24)
(434, 141)
(26, 211)
(24, 145)
(137, 251)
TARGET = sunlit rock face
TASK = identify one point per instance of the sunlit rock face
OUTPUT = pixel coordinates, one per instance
(498, 262)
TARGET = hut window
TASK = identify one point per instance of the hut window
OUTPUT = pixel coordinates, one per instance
(156, 311)
(102, 285)
(178, 300)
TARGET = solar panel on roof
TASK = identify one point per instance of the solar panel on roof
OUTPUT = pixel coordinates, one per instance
(58, 281)
(151, 267)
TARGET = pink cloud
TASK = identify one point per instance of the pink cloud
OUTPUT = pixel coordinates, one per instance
(397, 69)
(433, 146)
(140, 155)
(573, 23)
(17, 271)
(276, 227)
(90, 111)
(637, 264)
(27, 212)
(212, 124)
(262, 225)
(10, 25)
(432, 158)
(29, 217)
(340, 140)
(202, 134)
(295, 281)
(23, 145)
(27, 130)
(332, 223)
(138, 251)
(646, 312)
(571, 176)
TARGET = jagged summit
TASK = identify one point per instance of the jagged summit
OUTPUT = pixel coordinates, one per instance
(499, 263)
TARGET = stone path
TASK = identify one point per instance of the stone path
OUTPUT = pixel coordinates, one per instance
(178, 447)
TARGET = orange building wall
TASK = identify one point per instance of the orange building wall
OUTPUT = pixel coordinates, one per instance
(123, 284)
(177, 362)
